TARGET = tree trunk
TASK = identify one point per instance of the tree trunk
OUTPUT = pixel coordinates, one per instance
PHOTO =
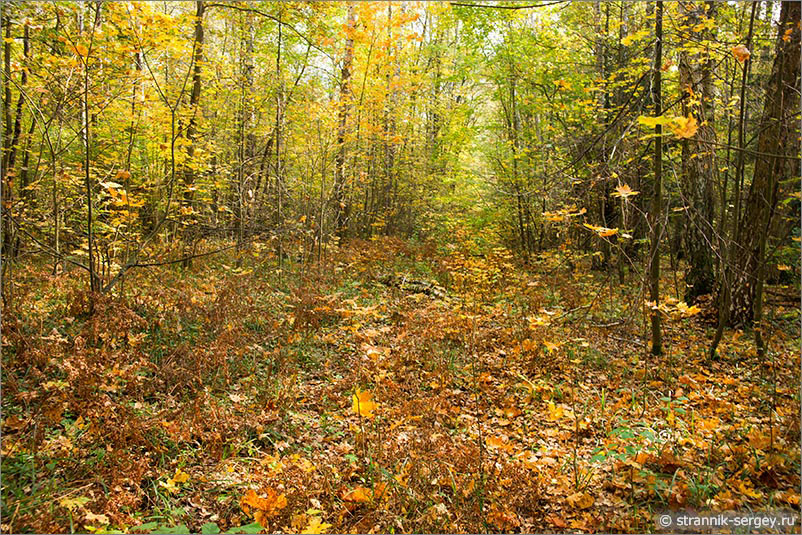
(698, 158)
(775, 162)
(340, 208)
(655, 214)
(191, 133)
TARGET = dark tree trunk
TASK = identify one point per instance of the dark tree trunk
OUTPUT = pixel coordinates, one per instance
(656, 211)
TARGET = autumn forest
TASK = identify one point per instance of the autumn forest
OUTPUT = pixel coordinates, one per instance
(399, 266)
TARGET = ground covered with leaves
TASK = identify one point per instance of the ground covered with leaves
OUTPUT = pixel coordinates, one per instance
(398, 387)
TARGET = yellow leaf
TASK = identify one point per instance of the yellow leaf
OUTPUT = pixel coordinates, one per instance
(741, 53)
(81, 50)
(498, 443)
(180, 476)
(363, 404)
(73, 503)
(651, 122)
(603, 232)
(316, 526)
(555, 412)
(169, 486)
(685, 127)
(551, 347)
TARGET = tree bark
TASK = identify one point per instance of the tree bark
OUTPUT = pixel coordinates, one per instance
(776, 161)
(191, 132)
(698, 157)
(655, 214)
(341, 210)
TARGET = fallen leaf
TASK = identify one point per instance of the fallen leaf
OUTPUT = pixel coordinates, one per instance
(363, 404)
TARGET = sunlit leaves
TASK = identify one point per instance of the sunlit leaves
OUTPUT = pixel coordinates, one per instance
(559, 216)
(652, 122)
(635, 37)
(555, 412)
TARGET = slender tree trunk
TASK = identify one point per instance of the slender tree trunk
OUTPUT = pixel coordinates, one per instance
(279, 183)
(7, 185)
(341, 209)
(726, 273)
(94, 283)
(656, 212)
(191, 132)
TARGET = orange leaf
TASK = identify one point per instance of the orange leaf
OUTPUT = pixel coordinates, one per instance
(741, 53)
(357, 495)
(265, 507)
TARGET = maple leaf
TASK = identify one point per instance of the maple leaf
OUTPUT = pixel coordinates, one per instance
(363, 404)
(741, 53)
(263, 508)
(624, 191)
(685, 127)
(315, 525)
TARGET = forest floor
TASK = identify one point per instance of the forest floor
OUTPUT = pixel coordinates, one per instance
(489, 397)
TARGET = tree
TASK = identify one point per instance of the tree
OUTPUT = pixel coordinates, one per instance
(696, 68)
(344, 106)
(776, 169)
(655, 214)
